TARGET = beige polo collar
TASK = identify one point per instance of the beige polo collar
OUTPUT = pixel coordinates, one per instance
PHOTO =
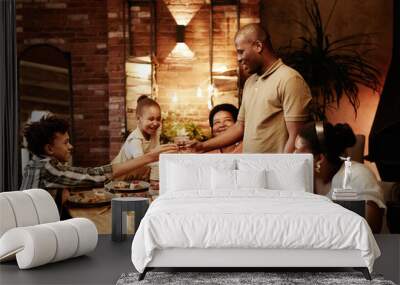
(272, 68)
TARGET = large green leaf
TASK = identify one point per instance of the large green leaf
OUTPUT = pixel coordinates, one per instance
(333, 69)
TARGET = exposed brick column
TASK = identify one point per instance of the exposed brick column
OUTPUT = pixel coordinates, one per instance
(140, 28)
(116, 34)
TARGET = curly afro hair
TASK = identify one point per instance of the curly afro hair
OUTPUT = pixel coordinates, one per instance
(40, 133)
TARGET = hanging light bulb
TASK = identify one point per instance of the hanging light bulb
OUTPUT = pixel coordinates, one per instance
(215, 92)
(210, 103)
(199, 92)
(174, 98)
(210, 89)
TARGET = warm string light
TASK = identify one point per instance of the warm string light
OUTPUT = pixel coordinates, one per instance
(212, 95)
(209, 104)
(174, 98)
(199, 92)
(211, 90)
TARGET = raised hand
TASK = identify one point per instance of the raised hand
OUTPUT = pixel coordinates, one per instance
(195, 146)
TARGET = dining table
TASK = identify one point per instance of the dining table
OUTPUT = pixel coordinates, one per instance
(100, 214)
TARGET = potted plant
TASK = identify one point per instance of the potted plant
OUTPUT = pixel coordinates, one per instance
(173, 125)
(332, 68)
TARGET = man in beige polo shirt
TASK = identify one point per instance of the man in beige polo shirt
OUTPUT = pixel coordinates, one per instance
(275, 99)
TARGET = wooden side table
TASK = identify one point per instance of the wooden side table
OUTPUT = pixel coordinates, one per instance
(357, 206)
(119, 209)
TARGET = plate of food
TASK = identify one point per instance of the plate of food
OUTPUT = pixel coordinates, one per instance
(125, 186)
(94, 198)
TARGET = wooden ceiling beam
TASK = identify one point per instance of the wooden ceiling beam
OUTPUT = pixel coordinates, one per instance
(224, 2)
(140, 2)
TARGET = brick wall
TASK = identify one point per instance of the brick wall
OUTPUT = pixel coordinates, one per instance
(117, 20)
(140, 30)
(78, 27)
(94, 32)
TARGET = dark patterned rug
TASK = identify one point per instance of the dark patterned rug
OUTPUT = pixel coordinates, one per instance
(241, 278)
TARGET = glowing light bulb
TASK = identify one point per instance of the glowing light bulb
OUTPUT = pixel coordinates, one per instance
(215, 91)
(210, 89)
(174, 98)
(209, 104)
(199, 92)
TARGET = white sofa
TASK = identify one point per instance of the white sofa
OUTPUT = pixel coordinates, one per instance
(31, 231)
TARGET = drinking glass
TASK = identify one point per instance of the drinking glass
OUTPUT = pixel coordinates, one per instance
(181, 142)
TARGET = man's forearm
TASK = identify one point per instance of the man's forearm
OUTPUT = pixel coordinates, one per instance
(293, 129)
(229, 137)
(289, 146)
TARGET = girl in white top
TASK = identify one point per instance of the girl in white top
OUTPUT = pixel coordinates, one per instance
(144, 138)
(327, 143)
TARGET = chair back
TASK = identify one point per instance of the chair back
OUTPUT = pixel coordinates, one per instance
(26, 208)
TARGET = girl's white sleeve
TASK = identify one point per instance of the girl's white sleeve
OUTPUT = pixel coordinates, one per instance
(133, 148)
